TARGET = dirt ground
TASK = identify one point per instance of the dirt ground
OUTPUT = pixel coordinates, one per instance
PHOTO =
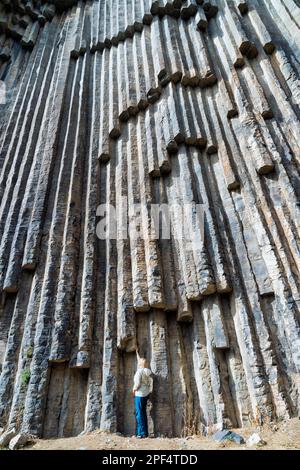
(281, 436)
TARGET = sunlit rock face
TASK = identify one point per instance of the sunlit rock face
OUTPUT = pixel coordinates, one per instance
(175, 103)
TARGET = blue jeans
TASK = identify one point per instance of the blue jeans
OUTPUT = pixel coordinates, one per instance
(140, 404)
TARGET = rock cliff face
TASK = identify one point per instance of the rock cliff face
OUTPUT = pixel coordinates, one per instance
(161, 102)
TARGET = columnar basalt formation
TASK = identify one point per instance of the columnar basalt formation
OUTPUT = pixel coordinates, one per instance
(164, 102)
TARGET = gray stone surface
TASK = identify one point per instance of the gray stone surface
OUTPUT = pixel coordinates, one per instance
(226, 435)
(255, 440)
(162, 102)
(6, 437)
(18, 441)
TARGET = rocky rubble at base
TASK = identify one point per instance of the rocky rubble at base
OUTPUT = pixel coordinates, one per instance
(281, 435)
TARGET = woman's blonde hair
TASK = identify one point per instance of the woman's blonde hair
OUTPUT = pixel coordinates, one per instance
(143, 362)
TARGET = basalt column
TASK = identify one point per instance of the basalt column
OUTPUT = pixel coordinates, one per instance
(151, 103)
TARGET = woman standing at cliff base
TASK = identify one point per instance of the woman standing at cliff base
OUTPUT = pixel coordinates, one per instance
(143, 385)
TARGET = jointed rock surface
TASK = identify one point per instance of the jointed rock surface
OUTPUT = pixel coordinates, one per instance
(162, 102)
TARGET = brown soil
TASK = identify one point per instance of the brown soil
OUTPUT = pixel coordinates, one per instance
(282, 436)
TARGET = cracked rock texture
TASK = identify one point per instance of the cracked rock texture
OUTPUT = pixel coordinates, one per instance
(165, 102)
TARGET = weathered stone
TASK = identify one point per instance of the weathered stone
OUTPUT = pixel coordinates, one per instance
(20, 440)
(255, 440)
(125, 103)
(226, 435)
(6, 437)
